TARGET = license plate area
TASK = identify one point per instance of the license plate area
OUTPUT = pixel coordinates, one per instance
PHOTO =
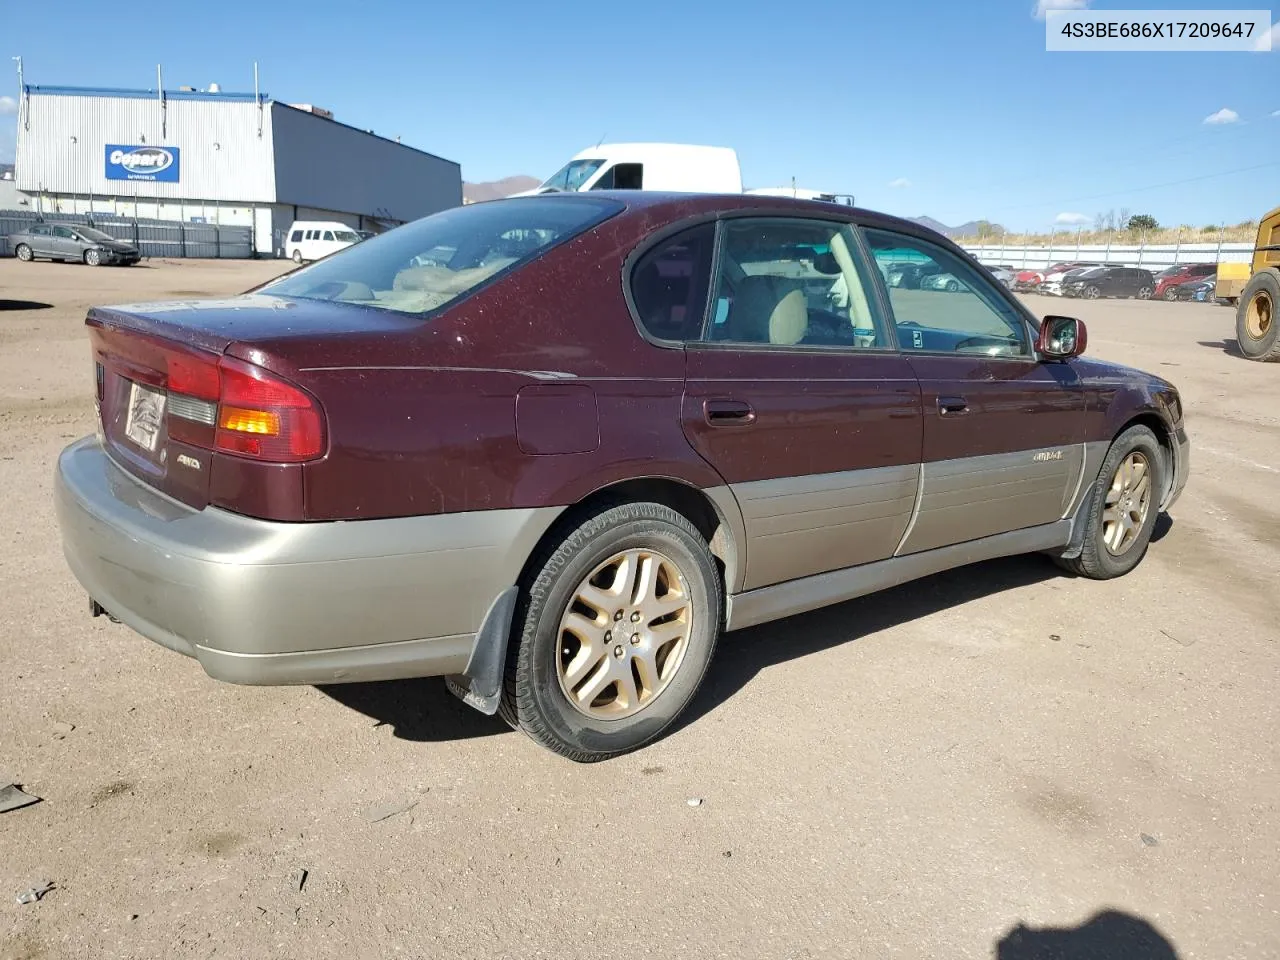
(144, 417)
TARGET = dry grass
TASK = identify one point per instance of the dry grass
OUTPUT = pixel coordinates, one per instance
(1245, 232)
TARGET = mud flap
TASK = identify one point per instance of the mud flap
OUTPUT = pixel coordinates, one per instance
(480, 685)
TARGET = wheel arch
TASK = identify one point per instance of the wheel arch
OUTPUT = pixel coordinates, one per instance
(1157, 424)
(714, 513)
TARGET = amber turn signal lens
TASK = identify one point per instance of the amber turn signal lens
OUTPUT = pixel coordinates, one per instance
(241, 420)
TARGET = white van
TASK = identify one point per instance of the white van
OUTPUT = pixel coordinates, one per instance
(675, 167)
(313, 239)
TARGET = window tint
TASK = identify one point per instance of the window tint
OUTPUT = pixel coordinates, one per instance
(669, 284)
(792, 283)
(328, 235)
(941, 304)
(297, 237)
(40, 231)
(64, 233)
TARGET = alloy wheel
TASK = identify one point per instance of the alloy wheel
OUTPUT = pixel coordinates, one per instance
(1259, 315)
(624, 634)
(1127, 504)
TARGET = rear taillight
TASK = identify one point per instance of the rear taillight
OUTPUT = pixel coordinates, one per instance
(242, 409)
(262, 416)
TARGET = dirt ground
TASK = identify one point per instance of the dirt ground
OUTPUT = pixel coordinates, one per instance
(913, 775)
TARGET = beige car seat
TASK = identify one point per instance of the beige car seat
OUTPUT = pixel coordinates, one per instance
(766, 311)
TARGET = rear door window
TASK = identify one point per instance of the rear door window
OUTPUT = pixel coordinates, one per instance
(784, 282)
(328, 235)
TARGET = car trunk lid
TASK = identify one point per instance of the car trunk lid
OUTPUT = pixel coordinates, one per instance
(162, 374)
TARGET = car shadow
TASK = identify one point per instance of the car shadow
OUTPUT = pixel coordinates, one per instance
(1228, 346)
(24, 305)
(743, 654)
(1107, 935)
(420, 709)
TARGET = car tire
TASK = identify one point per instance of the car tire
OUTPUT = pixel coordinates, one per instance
(952, 286)
(634, 546)
(23, 253)
(1144, 293)
(1257, 326)
(93, 258)
(1110, 547)
(1091, 292)
(1170, 294)
(297, 256)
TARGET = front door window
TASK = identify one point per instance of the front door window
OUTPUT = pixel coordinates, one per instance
(943, 304)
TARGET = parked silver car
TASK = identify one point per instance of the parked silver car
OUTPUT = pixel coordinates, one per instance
(64, 241)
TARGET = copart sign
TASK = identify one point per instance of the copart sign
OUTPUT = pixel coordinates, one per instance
(142, 162)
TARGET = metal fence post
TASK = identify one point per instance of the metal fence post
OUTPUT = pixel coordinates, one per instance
(217, 239)
(182, 233)
(1218, 256)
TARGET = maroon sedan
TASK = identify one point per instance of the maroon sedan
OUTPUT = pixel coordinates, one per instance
(551, 447)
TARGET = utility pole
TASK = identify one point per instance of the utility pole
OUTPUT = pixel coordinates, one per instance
(22, 93)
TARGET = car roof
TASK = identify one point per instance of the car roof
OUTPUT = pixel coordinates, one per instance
(672, 207)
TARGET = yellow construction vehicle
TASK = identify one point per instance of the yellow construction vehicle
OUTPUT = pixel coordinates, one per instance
(1257, 328)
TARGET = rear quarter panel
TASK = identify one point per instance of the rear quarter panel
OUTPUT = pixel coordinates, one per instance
(424, 421)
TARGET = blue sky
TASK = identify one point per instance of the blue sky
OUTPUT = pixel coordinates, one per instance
(951, 109)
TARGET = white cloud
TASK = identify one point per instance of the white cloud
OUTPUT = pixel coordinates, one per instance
(899, 183)
(1269, 39)
(1044, 6)
(1225, 115)
(8, 106)
(1071, 219)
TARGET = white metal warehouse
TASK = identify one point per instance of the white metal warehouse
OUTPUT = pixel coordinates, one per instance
(209, 156)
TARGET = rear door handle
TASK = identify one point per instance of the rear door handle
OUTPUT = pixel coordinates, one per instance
(727, 413)
(952, 406)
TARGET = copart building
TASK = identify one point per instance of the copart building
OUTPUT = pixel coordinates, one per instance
(214, 157)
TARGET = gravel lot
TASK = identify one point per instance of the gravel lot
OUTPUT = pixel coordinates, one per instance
(910, 775)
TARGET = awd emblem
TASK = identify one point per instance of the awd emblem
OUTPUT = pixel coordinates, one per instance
(187, 461)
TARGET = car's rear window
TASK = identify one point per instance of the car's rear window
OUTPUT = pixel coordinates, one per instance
(425, 265)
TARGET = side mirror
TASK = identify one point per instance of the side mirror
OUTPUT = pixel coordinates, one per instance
(1061, 338)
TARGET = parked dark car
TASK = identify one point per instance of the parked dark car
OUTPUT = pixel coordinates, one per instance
(63, 241)
(1201, 290)
(1169, 279)
(554, 478)
(1110, 282)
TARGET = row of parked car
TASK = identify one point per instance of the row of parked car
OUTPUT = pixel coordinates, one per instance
(1091, 280)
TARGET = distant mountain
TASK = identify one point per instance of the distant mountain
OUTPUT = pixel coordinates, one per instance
(495, 189)
(969, 229)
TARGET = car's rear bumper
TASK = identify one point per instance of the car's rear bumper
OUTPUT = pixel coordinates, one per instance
(262, 602)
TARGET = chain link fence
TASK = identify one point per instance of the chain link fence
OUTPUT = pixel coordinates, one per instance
(153, 238)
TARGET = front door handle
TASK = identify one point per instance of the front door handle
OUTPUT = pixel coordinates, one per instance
(952, 406)
(727, 413)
